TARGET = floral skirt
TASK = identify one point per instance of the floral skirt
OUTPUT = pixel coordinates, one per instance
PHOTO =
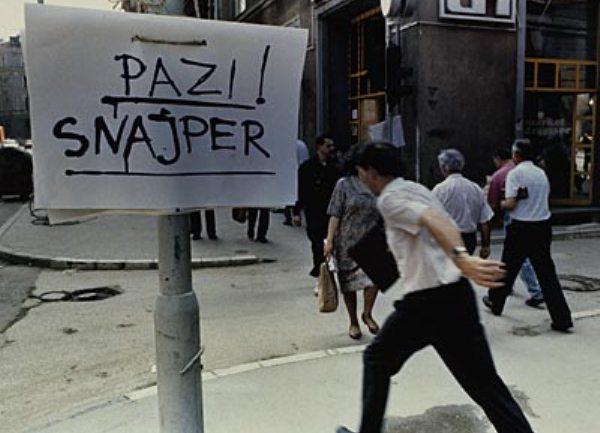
(354, 280)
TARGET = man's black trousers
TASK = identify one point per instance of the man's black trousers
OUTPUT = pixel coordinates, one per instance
(263, 216)
(532, 240)
(316, 234)
(445, 317)
(196, 223)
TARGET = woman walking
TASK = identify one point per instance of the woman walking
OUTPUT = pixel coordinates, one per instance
(353, 212)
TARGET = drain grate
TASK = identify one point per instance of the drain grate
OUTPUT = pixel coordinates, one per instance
(81, 295)
(579, 283)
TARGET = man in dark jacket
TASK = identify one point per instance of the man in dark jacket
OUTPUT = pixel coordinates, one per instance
(316, 180)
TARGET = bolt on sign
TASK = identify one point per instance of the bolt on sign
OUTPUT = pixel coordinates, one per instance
(146, 112)
(496, 11)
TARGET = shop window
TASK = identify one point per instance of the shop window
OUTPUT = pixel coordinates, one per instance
(561, 81)
(549, 126)
(587, 76)
(562, 127)
(529, 74)
(366, 73)
(546, 75)
(567, 76)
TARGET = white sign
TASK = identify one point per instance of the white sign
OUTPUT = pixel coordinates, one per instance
(500, 11)
(145, 112)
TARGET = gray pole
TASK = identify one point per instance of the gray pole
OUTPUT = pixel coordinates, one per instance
(177, 331)
(177, 322)
(520, 81)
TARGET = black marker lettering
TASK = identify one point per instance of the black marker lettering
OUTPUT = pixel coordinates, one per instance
(261, 100)
(138, 125)
(216, 134)
(210, 69)
(188, 133)
(251, 137)
(232, 78)
(62, 135)
(126, 75)
(165, 116)
(160, 68)
(102, 129)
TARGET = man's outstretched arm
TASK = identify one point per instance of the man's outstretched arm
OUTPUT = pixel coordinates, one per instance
(483, 272)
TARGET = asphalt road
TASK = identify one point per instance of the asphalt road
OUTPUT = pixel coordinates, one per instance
(15, 281)
(65, 354)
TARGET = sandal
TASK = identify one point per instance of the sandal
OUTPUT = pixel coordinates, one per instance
(354, 332)
(371, 324)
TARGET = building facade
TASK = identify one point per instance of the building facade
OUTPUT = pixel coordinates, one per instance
(473, 86)
(14, 101)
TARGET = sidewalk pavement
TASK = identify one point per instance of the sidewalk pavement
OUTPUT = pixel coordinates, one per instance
(314, 392)
(123, 242)
(130, 242)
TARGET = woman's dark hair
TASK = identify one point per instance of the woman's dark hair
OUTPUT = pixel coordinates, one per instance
(382, 157)
(350, 160)
(503, 153)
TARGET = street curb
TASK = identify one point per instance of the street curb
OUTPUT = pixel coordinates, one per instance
(566, 234)
(220, 373)
(61, 263)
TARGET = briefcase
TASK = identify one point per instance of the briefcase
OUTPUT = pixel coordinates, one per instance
(375, 258)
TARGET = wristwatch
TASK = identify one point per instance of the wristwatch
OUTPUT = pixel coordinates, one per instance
(457, 251)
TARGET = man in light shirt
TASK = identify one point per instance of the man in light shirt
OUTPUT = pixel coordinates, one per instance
(464, 201)
(439, 306)
(529, 235)
(496, 193)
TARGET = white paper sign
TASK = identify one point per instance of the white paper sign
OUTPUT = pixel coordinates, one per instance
(145, 112)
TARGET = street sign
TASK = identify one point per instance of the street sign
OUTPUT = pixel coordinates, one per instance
(498, 11)
(146, 112)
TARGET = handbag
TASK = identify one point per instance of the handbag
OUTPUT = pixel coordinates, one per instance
(375, 258)
(327, 290)
(239, 214)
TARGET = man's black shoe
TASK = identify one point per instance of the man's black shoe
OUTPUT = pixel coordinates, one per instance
(196, 237)
(561, 328)
(534, 302)
(488, 303)
(343, 429)
(213, 237)
(314, 272)
(262, 240)
(288, 223)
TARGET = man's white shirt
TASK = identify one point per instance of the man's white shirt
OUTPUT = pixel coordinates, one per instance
(422, 263)
(536, 206)
(465, 201)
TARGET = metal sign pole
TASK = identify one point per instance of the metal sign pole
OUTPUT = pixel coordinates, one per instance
(177, 321)
(177, 331)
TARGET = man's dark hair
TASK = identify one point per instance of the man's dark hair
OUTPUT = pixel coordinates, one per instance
(321, 140)
(523, 147)
(503, 153)
(382, 157)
